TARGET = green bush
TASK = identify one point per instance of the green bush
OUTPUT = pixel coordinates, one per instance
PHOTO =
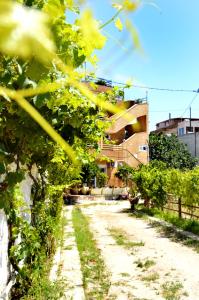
(101, 179)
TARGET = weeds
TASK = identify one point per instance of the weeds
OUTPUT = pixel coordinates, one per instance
(125, 274)
(172, 290)
(151, 277)
(95, 277)
(145, 264)
(122, 239)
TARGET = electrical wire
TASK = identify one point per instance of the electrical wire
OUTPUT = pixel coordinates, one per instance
(161, 111)
(191, 102)
(155, 88)
(158, 89)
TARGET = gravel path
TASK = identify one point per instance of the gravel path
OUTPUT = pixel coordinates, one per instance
(153, 271)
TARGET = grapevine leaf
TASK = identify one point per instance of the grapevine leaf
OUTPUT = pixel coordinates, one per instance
(130, 5)
(118, 24)
(24, 32)
(2, 168)
(90, 30)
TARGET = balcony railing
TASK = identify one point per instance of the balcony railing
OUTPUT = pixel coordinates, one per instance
(111, 147)
(125, 152)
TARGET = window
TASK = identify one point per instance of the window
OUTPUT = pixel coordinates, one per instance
(103, 170)
(189, 129)
(180, 131)
(143, 148)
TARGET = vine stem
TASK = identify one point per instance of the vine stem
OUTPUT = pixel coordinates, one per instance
(111, 19)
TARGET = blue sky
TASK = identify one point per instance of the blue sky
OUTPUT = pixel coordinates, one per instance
(170, 39)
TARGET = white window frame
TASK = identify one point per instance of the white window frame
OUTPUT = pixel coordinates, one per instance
(141, 148)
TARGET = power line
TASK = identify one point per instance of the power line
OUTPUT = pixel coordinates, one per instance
(191, 102)
(158, 89)
(171, 110)
(151, 88)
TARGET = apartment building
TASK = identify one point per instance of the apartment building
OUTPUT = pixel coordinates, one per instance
(129, 135)
(186, 129)
(178, 126)
(128, 139)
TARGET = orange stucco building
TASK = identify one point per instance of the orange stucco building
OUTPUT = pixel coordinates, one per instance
(127, 135)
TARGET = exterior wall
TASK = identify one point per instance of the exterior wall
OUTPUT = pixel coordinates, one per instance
(128, 117)
(173, 125)
(130, 150)
(192, 142)
(167, 123)
(118, 137)
(4, 262)
(185, 124)
(133, 144)
(5, 267)
(171, 131)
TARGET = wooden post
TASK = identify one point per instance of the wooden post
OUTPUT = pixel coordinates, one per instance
(179, 208)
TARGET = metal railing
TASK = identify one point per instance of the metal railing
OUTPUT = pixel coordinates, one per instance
(120, 147)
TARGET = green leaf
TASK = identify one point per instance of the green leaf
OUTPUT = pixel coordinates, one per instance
(14, 177)
(2, 168)
(24, 32)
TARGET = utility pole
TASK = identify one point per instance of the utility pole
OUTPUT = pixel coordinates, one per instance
(146, 96)
(190, 117)
(169, 118)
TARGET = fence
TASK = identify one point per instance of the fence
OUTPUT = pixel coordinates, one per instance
(182, 209)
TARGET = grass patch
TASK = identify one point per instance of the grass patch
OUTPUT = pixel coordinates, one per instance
(122, 239)
(151, 277)
(95, 277)
(69, 247)
(145, 264)
(46, 289)
(172, 290)
(184, 224)
(125, 274)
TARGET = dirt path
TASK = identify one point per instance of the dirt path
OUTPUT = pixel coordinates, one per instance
(159, 269)
(70, 263)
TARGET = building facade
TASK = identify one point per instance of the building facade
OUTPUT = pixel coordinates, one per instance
(178, 126)
(187, 131)
(128, 140)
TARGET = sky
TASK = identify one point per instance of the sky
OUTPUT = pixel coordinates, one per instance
(169, 35)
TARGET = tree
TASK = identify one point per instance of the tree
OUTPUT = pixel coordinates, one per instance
(171, 151)
(125, 173)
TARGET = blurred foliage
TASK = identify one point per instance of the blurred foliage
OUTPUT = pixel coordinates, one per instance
(171, 151)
